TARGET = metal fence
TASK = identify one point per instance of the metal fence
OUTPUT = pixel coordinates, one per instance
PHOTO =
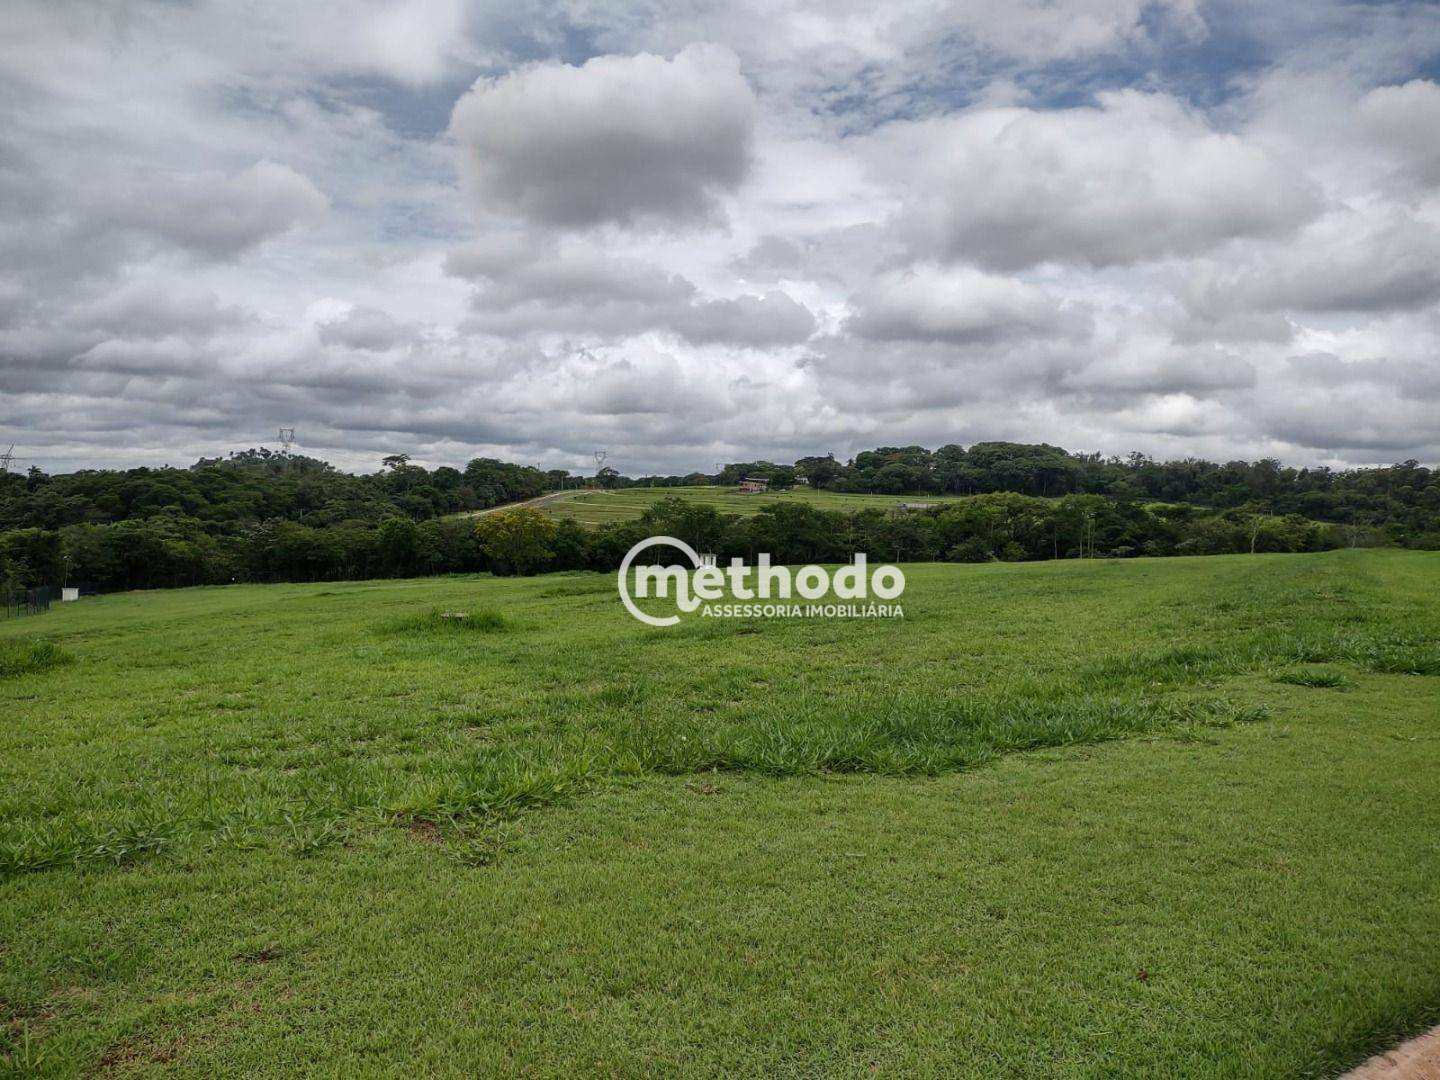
(24, 602)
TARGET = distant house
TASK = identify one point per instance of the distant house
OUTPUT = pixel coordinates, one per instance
(754, 485)
(909, 506)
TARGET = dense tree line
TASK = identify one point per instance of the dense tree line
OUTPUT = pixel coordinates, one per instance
(1405, 498)
(258, 485)
(1398, 503)
(254, 516)
(991, 527)
(166, 551)
(259, 516)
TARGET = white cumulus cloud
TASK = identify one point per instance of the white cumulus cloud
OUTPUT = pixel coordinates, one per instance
(1137, 177)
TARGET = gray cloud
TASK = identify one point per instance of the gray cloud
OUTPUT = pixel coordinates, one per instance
(147, 311)
(1405, 121)
(771, 319)
(366, 328)
(845, 258)
(214, 215)
(1165, 371)
(620, 139)
(1139, 177)
(1417, 380)
(532, 288)
(1372, 260)
(961, 307)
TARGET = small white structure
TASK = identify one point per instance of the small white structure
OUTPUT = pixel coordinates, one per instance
(67, 594)
(707, 559)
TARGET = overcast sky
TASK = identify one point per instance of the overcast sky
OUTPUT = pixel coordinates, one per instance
(690, 233)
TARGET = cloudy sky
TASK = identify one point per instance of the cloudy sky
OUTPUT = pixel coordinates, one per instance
(691, 232)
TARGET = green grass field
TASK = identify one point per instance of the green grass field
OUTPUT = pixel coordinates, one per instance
(599, 507)
(1131, 818)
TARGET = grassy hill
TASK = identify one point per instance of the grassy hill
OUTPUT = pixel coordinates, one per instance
(625, 504)
(1151, 817)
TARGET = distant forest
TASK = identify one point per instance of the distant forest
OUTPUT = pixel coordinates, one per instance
(261, 516)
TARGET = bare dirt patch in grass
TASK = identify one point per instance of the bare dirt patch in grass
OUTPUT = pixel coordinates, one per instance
(1418, 1059)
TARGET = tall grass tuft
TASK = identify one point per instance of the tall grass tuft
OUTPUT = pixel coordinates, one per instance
(502, 783)
(914, 737)
(1316, 677)
(26, 657)
(443, 621)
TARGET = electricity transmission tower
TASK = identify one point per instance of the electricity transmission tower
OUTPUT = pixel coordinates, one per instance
(287, 440)
(6, 458)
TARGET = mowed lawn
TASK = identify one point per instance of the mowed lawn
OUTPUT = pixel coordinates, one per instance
(1142, 818)
(625, 504)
